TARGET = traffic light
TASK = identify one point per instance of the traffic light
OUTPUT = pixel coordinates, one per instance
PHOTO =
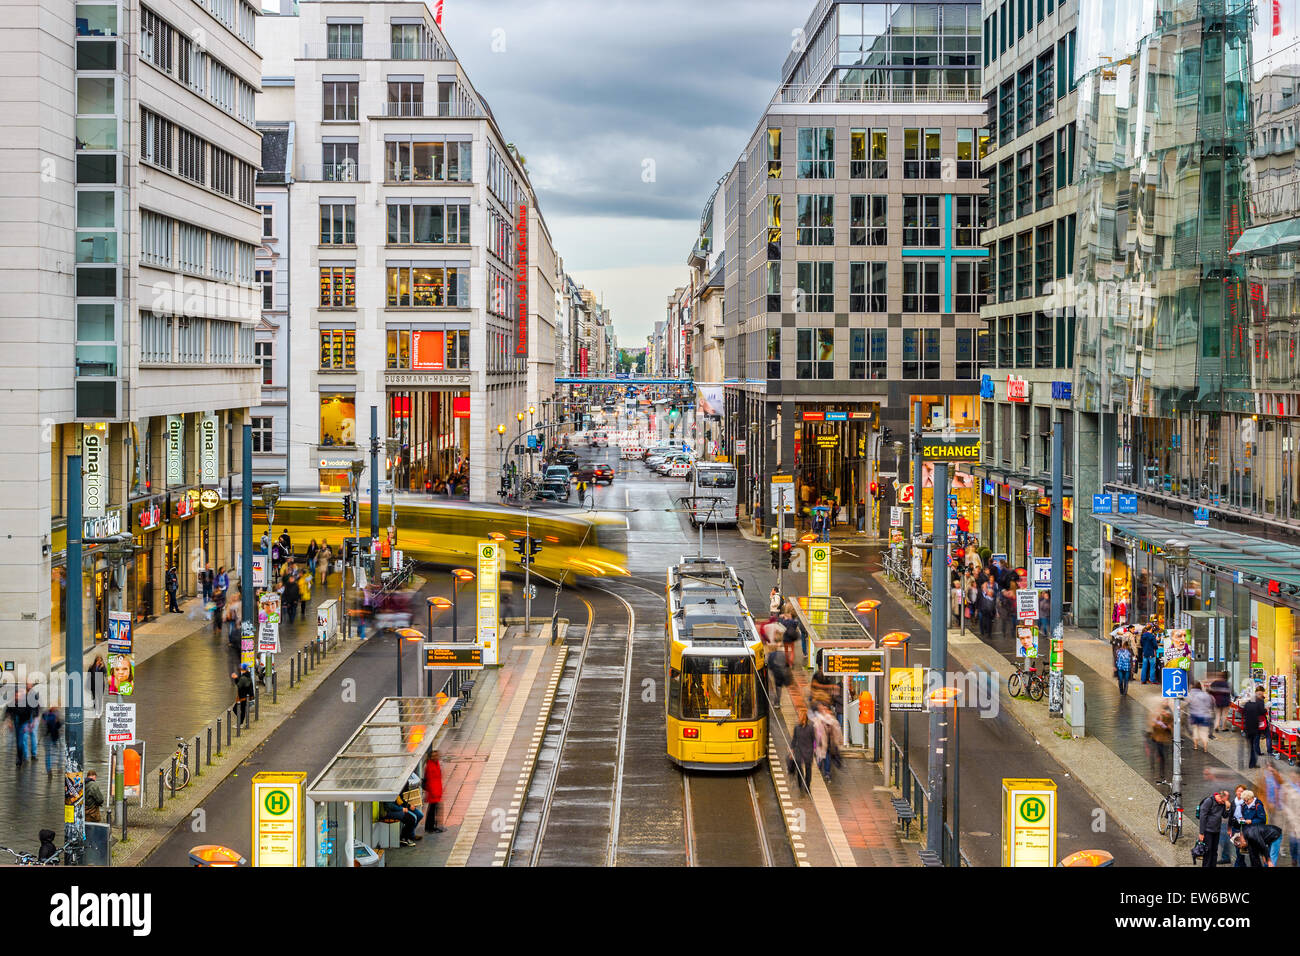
(874, 488)
(521, 547)
(786, 548)
(886, 435)
(534, 546)
(347, 507)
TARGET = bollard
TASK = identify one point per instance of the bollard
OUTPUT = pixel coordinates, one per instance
(198, 755)
(275, 688)
(173, 776)
(210, 740)
(124, 803)
(257, 707)
(239, 726)
(218, 736)
(230, 719)
(291, 675)
(162, 786)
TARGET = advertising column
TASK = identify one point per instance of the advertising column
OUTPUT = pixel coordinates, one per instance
(488, 600)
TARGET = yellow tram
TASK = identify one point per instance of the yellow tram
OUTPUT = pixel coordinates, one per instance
(716, 705)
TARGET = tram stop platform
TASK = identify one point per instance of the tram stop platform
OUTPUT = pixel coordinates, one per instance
(488, 758)
(849, 821)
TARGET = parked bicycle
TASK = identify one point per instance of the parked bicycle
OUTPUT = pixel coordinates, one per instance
(181, 764)
(1169, 816)
(1026, 679)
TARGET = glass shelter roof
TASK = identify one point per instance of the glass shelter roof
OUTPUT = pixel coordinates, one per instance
(383, 753)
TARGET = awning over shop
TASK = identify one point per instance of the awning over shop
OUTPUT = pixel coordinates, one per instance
(1214, 547)
(381, 756)
(1268, 240)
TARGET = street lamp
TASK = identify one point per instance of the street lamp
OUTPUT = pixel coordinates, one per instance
(894, 640)
(1028, 498)
(270, 495)
(354, 484)
(946, 697)
(1177, 558)
(872, 607)
(501, 449)
(405, 634)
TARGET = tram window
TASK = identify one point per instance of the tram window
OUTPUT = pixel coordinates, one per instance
(674, 692)
(718, 688)
(716, 479)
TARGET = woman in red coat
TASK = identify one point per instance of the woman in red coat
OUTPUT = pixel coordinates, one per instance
(432, 792)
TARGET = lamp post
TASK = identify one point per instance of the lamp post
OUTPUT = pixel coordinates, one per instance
(393, 446)
(354, 485)
(1028, 498)
(501, 449)
(270, 495)
(943, 698)
(872, 607)
(405, 634)
(1177, 558)
(893, 640)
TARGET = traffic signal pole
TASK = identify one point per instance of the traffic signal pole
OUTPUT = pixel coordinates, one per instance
(374, 490)
(938, 656)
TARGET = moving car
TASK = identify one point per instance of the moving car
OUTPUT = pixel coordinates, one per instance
(596, 472)
(567, 457)
(557, 473)
(554, 489)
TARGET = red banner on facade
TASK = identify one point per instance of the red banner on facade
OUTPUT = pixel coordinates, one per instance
(521, 280)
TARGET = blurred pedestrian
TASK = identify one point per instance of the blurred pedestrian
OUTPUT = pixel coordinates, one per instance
(1200, 714)
(304, 593)
(1161, 735)
(172, 585)
(324, 560)
(96, 679)
(52, 724)
(206, 580)
(243, 691)
(774, 602)
(313, 549)
(1287, 815)
(1273, 784)
(1254, 717)
(1123, 668)
(433, 791)
(94, 799)
(803, 744)
(1221, 691)
(862, 516)
(292, 593)
(1147, 648)
(1228, 844)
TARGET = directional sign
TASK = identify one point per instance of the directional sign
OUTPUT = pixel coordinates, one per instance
(782, 494)
(1173, 682)
(119, 723)
(278, 826)
(1042, 572)
(853, 663)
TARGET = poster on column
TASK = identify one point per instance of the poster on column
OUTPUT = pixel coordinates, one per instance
(268, 623)
(488, 597)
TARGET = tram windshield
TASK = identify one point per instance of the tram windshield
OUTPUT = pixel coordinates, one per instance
(716, 478)
(718, 688)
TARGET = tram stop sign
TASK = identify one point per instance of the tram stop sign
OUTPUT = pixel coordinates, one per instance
(279, 829)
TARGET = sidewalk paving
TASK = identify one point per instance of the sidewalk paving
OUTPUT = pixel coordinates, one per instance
(182, 685)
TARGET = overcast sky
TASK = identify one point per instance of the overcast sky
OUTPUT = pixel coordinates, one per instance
(593, 92)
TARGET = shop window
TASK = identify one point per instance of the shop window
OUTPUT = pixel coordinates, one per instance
(338, 418)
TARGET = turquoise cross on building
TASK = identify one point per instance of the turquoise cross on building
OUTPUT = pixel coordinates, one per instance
(948, 253)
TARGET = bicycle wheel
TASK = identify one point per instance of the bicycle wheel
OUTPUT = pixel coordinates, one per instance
(1013, 684)
(1162, 816)
(1035, 688)
(1175, 826)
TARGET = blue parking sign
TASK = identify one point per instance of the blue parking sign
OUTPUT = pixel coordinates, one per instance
(1173, 682)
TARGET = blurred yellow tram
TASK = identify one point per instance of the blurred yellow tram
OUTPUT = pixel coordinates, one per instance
(716, 705)
(446, 532)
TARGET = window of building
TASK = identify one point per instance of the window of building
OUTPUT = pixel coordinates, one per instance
(1007, 111)
(261, 433)
(868, 353)
(1025, 100)
(1043, 192)
(966, 227)
(1024, 264)
(428, 222)
(868, 287)
(190, 340)
(1044, 93)
(1006, 352)
(191, 154)
(773, 287)
(338, 287)
(263, 355)
(339, 162)
(774, 227)
(971, 285)
(155, 139)
(155, 337)
(966, 367)
(1065, 246)
(1024, 182)
(921, 225)
(868, 220)
(815, 353)
(268, 220)
(1043, 259)
(921, 353)
(921, 148)
(425, 160)
(921, 292)
(971, 147)
(816, 226)
(223, 172)
(1042, 340)
(773, 353)
(156, 238)
(1065, 344)
(816, 153)
(1024, 341)
(774, 153)
(815, 287)
(155, 40)
(338, 419)
(1006, 269)
(340, 101)
(338, 223)
(413, 41)
(858, 154)
(428, 286)
(405, 98)
(1006, 191)
(266, 281)
(191, 65)
(338, 349)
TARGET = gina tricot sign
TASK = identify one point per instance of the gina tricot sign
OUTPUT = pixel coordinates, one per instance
(94, 461)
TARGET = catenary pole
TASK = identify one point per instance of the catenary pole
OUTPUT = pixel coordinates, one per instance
(938, 653)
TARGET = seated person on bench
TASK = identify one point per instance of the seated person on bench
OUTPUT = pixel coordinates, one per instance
(402, 812)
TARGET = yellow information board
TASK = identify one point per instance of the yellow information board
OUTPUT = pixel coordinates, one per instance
(1028, 822)
(819, 570)
(279, 828)
(489, 572)
(906, 688)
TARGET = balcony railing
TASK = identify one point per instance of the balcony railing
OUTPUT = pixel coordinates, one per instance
(877, 93)
(374, 51)
(344, 172)
(424, 110)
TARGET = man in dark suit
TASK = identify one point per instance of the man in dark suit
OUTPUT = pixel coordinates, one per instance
(1254, 719)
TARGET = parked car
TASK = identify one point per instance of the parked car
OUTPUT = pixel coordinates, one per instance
(554, 489)
(557, 473)
(567, 457)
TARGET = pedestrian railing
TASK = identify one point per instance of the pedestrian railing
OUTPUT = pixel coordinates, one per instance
(898, 569)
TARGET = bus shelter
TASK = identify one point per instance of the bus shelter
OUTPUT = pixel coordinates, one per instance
(841, 648)
(373, 767)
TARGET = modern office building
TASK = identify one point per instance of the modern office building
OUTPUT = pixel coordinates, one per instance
(129, 303)
(854, 272)
(1186, 370)
(417, 246)
(1029, 52)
